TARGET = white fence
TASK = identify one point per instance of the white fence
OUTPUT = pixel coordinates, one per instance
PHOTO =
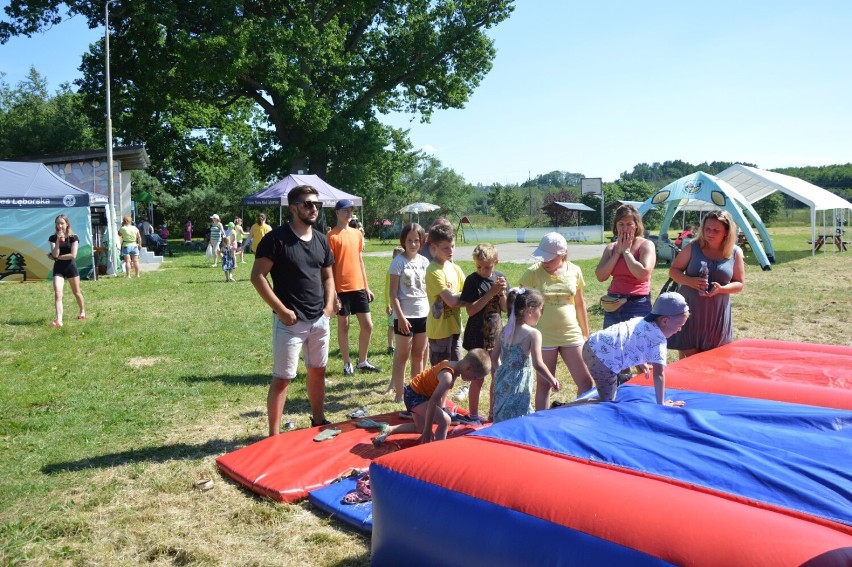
(572, 234)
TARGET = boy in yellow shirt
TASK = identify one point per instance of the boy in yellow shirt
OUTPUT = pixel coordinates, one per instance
(444, 282)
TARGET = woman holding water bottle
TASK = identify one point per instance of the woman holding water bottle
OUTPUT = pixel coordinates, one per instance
(709, 270)
(63, 251)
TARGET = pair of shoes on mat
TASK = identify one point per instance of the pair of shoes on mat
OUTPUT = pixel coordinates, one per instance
(362, 493)
(360, 412)
(315, 424)
(327, 434)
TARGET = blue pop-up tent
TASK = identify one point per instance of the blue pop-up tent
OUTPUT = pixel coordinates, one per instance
(703, 192)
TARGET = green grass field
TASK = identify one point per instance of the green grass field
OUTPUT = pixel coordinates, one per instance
(107, 423)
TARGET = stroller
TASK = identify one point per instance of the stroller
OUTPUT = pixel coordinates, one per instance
(158, 245)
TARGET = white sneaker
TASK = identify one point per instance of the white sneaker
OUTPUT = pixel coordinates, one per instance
(461, 395)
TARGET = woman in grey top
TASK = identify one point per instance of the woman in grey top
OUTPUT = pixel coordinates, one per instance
(708, 296)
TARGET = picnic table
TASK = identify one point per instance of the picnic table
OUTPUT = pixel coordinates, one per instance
(837, 237)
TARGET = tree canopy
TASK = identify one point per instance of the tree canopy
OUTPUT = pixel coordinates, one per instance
(32, 121)
(300, 85)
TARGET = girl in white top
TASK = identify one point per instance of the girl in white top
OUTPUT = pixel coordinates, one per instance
(410, 307)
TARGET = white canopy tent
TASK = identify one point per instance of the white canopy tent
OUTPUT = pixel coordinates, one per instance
(755, 184)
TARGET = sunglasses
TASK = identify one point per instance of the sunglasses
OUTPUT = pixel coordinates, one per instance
(307, 205)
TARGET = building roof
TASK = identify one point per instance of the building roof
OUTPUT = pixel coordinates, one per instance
(131, 157)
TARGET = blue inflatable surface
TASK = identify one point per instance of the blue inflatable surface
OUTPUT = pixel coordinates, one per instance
(330, 499)
(793, 456)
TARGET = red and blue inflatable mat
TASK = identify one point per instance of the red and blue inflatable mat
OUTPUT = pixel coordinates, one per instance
(801, 373)
(723, 481)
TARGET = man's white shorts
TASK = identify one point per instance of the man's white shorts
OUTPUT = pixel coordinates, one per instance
(288, 341)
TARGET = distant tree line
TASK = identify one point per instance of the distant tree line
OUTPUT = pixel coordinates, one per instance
(32, 122)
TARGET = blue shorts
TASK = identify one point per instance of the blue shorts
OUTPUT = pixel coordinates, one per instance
(412, 399)
(130, 250)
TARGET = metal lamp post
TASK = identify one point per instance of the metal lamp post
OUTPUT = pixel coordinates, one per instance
(111, 264)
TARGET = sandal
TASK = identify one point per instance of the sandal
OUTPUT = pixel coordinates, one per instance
(81, 316)
(327, 434)
(360, 412)
(55, 324)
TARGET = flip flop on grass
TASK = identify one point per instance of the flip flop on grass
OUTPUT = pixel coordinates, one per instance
(327, 434)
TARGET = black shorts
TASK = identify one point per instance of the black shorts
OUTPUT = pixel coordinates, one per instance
(353, 302)
(417, 324)
(66, 268)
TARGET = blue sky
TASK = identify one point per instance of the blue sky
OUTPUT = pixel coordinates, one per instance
(597, 87)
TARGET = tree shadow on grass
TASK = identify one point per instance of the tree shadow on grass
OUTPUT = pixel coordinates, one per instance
(178, 451)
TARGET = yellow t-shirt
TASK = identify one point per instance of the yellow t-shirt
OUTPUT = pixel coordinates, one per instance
(129, 234)
(438, 278)
(346, 246)
(558, 323)
(258, 231)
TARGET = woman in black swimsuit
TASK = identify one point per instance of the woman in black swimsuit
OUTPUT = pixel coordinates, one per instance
(63, 250)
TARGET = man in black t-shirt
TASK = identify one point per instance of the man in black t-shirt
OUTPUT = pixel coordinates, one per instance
(302, 297)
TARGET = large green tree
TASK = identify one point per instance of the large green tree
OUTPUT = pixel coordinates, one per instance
(32, 121)
(314, 75)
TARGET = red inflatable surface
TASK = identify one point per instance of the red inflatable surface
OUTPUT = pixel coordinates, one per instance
(288, 466)
(663, 518)
(800, 373)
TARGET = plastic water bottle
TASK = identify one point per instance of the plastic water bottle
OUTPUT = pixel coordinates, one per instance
(704, 272)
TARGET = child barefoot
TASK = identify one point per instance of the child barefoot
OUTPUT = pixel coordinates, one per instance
(520, 352)
(426, 394)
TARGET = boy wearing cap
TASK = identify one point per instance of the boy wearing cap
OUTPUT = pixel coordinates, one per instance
(350, 283)
(636, 342)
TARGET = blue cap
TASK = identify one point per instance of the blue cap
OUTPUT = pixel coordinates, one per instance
(344, 204)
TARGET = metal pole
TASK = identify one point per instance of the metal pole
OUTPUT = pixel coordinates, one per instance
(602, 215)
(111, 189)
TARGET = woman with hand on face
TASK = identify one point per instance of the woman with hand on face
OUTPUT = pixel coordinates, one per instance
(710, 324)
(63, 251)
(629, 261)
